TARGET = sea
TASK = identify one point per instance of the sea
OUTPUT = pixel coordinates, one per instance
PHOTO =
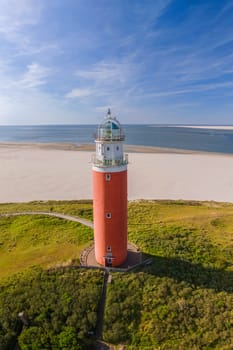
(177, 137)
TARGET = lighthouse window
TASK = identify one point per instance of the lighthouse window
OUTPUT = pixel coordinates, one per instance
(108, 215)
(108, 177)
(109, 248)
(108, 148)
(117, 148)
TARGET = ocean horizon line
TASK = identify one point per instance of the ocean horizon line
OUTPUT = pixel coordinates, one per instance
(126, 124)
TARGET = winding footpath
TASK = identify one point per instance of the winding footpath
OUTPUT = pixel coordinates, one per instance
(57, 215)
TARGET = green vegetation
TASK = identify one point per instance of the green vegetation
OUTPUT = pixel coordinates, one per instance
(183, 300)
(39, 240)
(61, 307)
(77, 208)
(201, 233)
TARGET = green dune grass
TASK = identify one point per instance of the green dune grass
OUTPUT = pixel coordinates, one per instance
(27, 241)
(183, 300)
(81, 208)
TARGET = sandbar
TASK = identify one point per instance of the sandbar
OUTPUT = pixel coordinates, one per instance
(213, 127)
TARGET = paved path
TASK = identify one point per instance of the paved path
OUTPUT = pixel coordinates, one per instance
(57, 215)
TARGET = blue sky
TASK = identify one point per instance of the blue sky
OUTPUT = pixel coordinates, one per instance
(152, 61)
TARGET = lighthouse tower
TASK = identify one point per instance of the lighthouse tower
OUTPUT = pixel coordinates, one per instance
(110, 194)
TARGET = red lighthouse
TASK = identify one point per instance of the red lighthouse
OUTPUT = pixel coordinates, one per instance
(110, 194)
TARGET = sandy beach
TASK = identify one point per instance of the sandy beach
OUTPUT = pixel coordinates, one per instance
(64, 172)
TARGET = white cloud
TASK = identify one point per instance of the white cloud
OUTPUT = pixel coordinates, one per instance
(191, 89)
(136, 64)
(20, 98)
(226, 8)
(106, 80)
(16, 14)
(4, 66)
(38, 49)
(17, 18)
(78, 93)
(148, 13)
(35, 76)
(36, 108)
(107, 71)
(19, 21)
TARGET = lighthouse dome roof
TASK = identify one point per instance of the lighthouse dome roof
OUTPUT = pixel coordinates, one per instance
(111, 124)
(110, 129)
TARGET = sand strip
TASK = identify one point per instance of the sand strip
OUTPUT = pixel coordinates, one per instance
(61, 172)
(213, 127)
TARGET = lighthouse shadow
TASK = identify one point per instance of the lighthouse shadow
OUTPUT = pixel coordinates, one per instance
(194, 274)
(134, 258)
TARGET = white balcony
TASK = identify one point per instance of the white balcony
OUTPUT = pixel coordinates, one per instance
(104, 163)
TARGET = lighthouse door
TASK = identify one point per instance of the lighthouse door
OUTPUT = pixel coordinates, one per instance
(109, 262)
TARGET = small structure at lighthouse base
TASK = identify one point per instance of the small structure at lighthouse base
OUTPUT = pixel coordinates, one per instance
(134, 258)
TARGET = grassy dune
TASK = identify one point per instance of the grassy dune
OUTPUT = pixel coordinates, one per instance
(77, 208)
(200, 232)
(26, 241)
(183, 300)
